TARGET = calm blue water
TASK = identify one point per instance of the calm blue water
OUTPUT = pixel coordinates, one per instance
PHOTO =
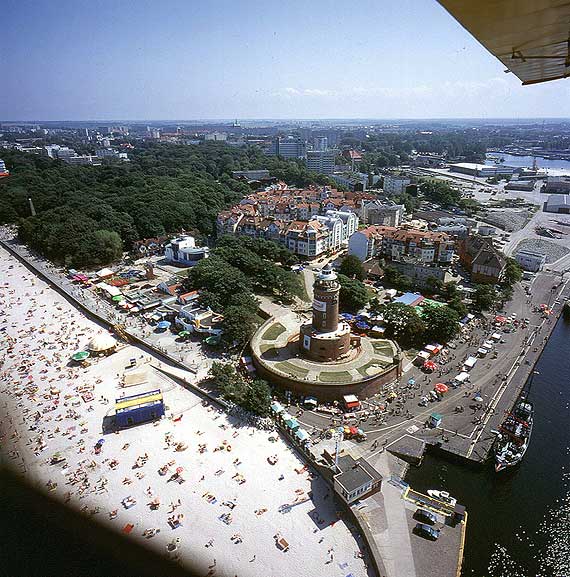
(519, 522)
(526, 161)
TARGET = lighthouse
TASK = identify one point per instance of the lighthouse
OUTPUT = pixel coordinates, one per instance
(325, 338)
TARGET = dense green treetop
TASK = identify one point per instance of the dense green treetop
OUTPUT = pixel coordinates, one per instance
(166, 188)
(351, 266)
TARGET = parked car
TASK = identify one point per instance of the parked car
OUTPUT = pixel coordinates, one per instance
(426, 531)
(425, 517)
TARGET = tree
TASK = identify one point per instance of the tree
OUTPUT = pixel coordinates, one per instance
(398, 280)
(353, 294)
(441, 322)
(513, 272)
(257, 398)
(440, 192)
(433, 284)
(485, 297)
(449, 291)
(351, 266)
(239, 324)
(458, 305)
(403, 324)
(254, 396)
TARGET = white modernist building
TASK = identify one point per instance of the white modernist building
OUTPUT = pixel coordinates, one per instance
(184, 252)
(342, 225)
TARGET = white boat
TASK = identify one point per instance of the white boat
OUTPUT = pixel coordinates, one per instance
(442, 496)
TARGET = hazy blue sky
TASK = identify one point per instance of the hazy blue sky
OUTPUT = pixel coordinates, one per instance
(187, 59)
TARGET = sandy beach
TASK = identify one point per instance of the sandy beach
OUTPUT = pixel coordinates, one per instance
(218, 502)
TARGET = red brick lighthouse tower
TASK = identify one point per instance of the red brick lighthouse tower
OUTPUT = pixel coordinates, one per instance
(325, 339)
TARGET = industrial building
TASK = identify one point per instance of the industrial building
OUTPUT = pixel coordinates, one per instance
(559, 203)
(482, 170)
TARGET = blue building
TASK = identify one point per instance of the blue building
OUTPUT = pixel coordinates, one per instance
(137, 409)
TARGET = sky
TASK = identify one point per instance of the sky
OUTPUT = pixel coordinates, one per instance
(247, 59)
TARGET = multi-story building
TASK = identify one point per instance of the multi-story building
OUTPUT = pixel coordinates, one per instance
(482, 259)
(376, 212)
(321, 161)
(216, 136)
(3, 169)
(289, 147)
(183, 251)
(321, 143)
(396, 243)
(341, 225)
(395, 184)
(276, 214)
(354, 181)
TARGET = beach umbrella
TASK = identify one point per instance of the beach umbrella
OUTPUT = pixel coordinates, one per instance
(100, 441)
(441, 388)
(353, 431)
(118, 298)
(179, 470)
(430, 366)
(340, 430)
(102, 342)
(80, 356)
(184, 333)
(411, 381)
(362, 326)
(163, 324)
(478, 397)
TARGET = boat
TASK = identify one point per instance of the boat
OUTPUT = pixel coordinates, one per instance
(442, 496)
(513, 436)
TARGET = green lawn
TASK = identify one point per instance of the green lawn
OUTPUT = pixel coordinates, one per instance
(378, 364)
(383, 347)
(335, 377)
(268, 350)
(273, 332)
(291, 369)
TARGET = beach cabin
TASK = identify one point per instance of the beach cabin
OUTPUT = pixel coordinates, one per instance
(351, 402)
(137, 409)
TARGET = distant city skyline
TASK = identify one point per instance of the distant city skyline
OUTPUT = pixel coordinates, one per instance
(173, 60)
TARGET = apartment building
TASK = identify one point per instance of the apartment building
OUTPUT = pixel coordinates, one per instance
(395, 243)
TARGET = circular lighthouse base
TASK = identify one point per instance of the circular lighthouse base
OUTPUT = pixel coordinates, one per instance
(325, 347)
(276, 350)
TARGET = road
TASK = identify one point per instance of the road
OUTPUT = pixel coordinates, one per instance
(496, 379)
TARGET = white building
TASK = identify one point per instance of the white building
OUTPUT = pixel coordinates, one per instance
(342, 225)
(3, 170)
(375, 212)
(183, 251)
(321, 161)
(216, 136)
(395, 184)
(530, 261)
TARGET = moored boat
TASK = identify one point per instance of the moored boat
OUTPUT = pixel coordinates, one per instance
(514, 436)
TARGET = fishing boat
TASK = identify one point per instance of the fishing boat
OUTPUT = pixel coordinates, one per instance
(513, 436)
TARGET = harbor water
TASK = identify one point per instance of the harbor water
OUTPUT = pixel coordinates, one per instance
(527, 161)
(519, 521)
